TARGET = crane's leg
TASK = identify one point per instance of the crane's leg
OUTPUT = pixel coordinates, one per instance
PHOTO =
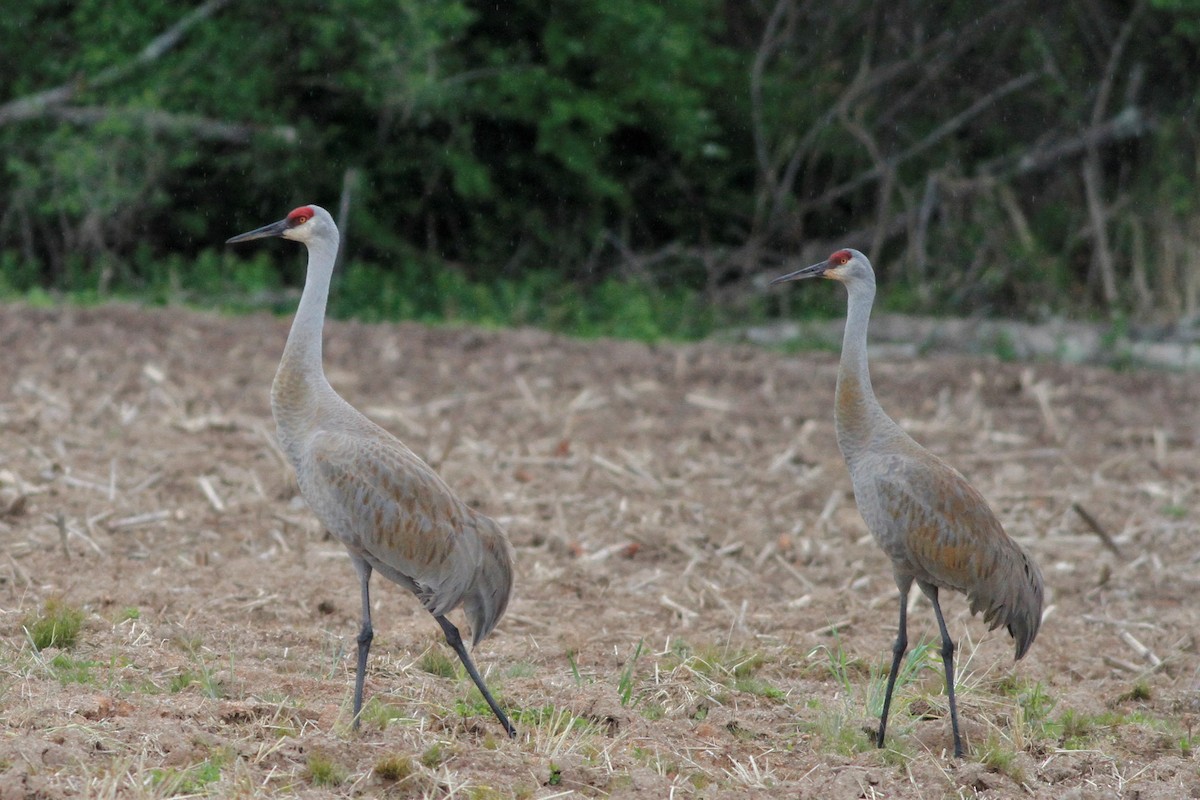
(455, 640)
(948, 660)
(365, 635)
(898, 650)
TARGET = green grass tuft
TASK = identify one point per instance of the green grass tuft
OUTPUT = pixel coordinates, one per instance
(760, 688)
(521, 669)
(321, 770)
(436, 662)
(558, 719)
(394, 768)
(193, 780)
(434, 755)
(894, 753)
(574, 668)
(57, 625)
(1035, 703)
(181, 681)
(653, 711)
(379, 714)
(838, 731)
(1075, 729)
(1139, 692)
(625, 684)
(72, 670)
(841, 666)
(473, 705)
(485, 793)
(720, 662)
(1002, 758)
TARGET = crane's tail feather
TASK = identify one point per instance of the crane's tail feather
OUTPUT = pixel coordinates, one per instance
(1013, 600)
(487, 598)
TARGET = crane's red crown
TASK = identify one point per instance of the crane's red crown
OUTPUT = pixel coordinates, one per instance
(299, 216)
(837, 259)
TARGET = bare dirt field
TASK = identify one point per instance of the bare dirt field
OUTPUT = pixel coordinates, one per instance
(699, 610)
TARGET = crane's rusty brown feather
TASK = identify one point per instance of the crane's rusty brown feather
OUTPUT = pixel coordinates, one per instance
(939, 530)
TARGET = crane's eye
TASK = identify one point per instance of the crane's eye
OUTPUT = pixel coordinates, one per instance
(840, 258)
(299, 216)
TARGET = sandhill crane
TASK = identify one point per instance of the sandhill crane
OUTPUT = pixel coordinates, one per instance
(935, 527)
(391, 511)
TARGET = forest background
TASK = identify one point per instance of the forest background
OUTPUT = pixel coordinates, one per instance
(635, 168)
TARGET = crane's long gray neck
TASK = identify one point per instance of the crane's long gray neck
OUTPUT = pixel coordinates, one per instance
(856, 413)
(300, 379)
(303, 349)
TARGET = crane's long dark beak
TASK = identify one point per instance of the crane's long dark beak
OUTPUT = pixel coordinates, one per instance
(274, 229)
(814, 271)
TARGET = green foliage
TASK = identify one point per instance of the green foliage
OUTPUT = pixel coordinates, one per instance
(203, 676)
(473, 705)
(528, 162)
(617, 308)
(56, 625)
(485, 135)
(521, 669)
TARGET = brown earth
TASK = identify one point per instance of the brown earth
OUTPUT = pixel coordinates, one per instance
(699, 610)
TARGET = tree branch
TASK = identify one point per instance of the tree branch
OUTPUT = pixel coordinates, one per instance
(1129, 124)
(38, 105)
(1093, 178)
(155, 120)
(936, 135)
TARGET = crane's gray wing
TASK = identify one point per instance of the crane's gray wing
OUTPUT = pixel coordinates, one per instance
(386, 504)
(949, 537)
